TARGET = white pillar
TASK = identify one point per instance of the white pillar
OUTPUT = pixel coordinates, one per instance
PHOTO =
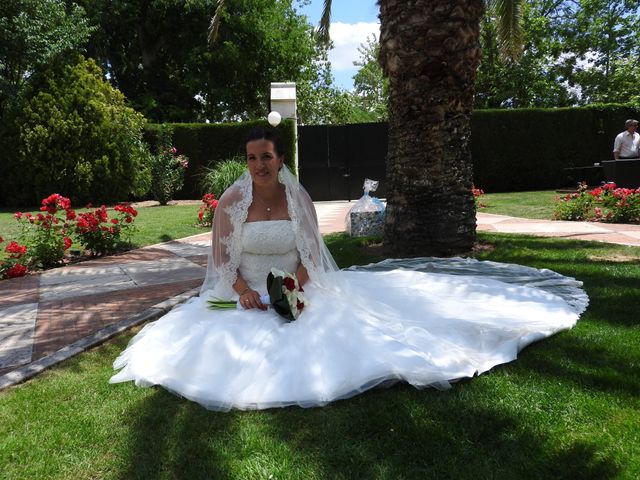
(283, 101)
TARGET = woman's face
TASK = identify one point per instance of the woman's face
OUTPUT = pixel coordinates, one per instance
(263, 162)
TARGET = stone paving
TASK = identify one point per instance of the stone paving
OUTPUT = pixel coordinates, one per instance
(51, 316)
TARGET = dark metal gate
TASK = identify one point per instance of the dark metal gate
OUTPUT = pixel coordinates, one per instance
(335, 160)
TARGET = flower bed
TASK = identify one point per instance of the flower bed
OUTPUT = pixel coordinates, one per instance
(602, 204)
(47, 235)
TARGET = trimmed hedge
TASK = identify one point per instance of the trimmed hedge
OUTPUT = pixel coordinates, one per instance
(526, 149)
(209, 143)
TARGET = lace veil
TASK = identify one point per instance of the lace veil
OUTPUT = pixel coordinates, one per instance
(226, 245)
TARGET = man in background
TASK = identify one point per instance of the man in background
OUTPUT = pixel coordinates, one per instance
(627, 143)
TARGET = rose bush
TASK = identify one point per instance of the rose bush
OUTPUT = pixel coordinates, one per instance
(13, 265)
(477, 193)
(101, 234)
(46, 233)
(206, 211)
(167, 168)
(607, 203)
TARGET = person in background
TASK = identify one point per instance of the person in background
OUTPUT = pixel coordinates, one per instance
(627, 143)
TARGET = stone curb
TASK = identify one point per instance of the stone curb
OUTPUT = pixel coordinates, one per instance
(32, 369)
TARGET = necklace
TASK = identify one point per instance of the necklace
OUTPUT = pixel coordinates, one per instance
(262, 202)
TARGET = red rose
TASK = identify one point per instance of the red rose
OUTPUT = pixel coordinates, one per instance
(18, 215)
(71, 215)
(114, 221)
(128, 219)
(299, 305)
(289, 283)
(200, 215)
(18, 270)
(67, 243)
(16, 248)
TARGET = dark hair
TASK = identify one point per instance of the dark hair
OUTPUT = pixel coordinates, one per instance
(266, 134)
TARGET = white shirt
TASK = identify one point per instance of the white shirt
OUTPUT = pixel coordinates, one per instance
(626, 144)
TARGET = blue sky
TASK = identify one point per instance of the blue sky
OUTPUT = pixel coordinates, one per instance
(352, 21)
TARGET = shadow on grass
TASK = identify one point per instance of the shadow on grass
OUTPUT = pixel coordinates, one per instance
(585, 364)
(396, 433)
(404, 433)
(172, 438)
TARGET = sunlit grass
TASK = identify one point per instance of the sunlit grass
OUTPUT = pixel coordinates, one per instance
(536, 205)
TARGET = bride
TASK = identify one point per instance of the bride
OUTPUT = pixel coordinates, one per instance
(424, 321)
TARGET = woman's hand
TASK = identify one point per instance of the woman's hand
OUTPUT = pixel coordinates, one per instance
(251, 299)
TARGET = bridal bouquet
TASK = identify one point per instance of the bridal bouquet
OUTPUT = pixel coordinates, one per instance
(285, 296)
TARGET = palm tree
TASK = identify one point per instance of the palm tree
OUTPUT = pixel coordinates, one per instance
(430, 51)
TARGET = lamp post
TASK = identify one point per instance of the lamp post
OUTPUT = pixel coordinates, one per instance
(283, 105)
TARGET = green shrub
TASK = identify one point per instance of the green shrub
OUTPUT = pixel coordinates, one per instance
(167, 168)
(574, 206)
(218, 178)
(72, 133)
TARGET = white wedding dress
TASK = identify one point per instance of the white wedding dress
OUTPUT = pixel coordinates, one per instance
(423, 321)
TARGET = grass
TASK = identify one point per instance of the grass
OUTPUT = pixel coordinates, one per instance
(569, 407)
(536, 205)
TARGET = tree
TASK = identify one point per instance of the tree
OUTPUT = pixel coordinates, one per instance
(536, 79)
(371, 86)
(157, 53)
(575, 52)
(430, 50)
(599, 37)
(319, 100)
(31, 33)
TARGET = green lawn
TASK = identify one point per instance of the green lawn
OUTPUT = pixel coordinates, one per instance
(539, 204)
(569, 407)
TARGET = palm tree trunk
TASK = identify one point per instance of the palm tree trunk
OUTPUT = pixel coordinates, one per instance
(430, 51)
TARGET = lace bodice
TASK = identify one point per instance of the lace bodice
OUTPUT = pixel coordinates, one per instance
(266, 245)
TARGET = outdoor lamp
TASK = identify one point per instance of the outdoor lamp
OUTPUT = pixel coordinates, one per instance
(274, 119)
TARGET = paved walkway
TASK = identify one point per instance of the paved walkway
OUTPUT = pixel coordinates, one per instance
(49, 317)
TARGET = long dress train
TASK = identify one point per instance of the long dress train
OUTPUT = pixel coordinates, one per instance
(423, 321)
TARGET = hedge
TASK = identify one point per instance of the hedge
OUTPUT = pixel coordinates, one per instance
(526, 149)
(208, 143)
